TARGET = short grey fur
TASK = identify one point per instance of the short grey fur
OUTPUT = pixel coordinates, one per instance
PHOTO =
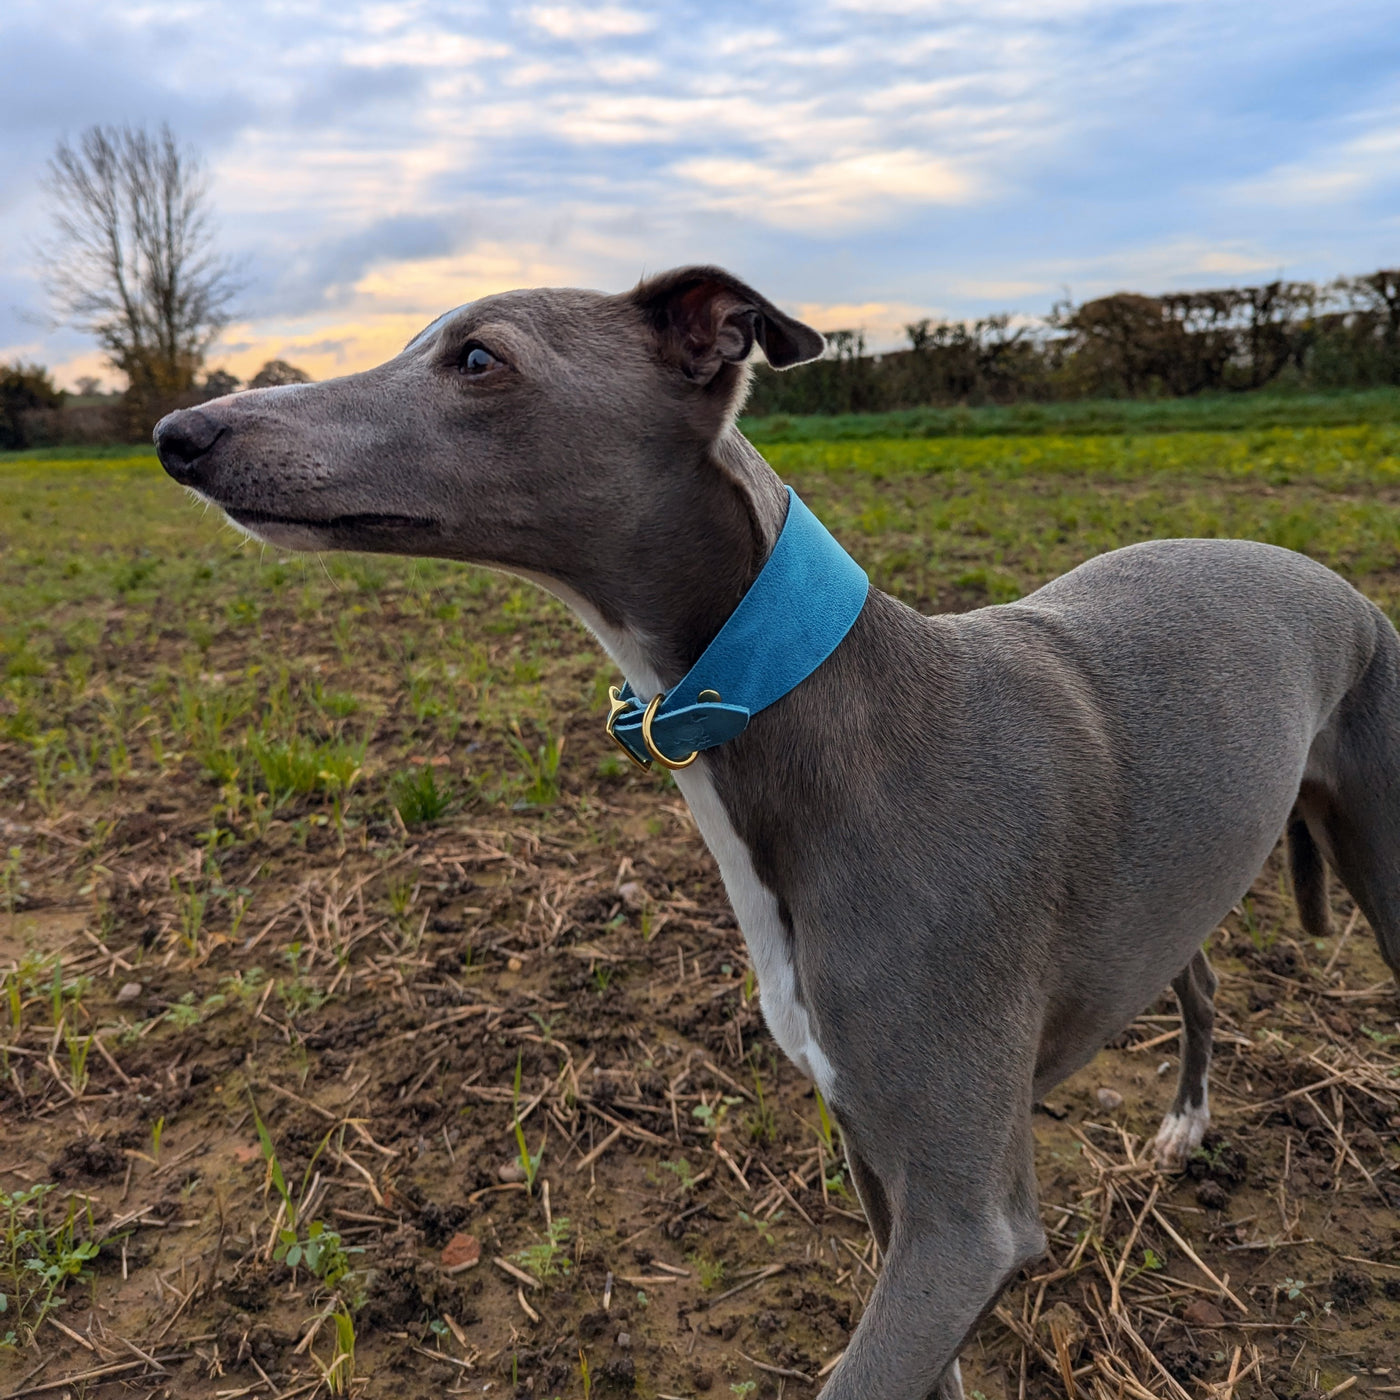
(968, 849)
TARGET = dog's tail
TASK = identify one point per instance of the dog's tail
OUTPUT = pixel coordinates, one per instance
(1309, 872)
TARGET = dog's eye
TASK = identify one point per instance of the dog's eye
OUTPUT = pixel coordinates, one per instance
(477, 359)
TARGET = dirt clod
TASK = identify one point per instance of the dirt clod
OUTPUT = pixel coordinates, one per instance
(592, 1325)
(1217, 1160)
(1202, 1313)
(619, 1373)
(1212, 1195)
(1183, 1359)
(1350, 1288)
(87, 1156)
(461, 1252)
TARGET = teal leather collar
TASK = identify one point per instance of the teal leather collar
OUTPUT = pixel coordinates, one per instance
(803, 602)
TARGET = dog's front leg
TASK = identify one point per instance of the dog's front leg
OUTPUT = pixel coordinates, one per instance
(949, 1246)
(876, 1206)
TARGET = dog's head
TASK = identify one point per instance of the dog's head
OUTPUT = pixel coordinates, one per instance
(517, 430)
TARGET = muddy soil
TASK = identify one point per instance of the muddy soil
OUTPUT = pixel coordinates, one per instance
(401, 996)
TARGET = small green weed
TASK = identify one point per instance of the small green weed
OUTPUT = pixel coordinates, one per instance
(709, 1272)
(402, 891)
(549, 1258)
(12, 888)
(711, 1116)
(301, 767)
(761, 1120)
(38, 1261)
(417, 797)
(540, 767)
(190, 902)
(1151, 1262)
(683, 1173)
(826, 1131)
(1258, 935)
(762, 1226)
(244, 987)
(529, 1164)
(339, 1374)
(79, 1048)
(319, 1250)
(134, 574)
(1215, 1157)
(184, 1015)
(298, 993)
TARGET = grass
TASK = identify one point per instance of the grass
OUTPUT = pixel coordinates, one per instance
(1207, 413)
(952, 522)
(351, 829)
(529, 1161)
(418, 797)
(540, 767)
(80, 456)
(300, 689)
(422, 659)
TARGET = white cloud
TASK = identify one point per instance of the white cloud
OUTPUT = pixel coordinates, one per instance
(1174, 265)
(881, 322)
(376, 160)
(584, 22)
(847, 192)
(426, 48)
(1350, 168)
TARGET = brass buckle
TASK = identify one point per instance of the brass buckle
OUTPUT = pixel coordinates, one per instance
(671, 763)
(616, 705)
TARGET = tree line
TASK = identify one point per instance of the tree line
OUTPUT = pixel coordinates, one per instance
(1340, 335)
(35, 412)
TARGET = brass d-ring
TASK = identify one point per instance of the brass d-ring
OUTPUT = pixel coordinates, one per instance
(656, 753)
(616, 705)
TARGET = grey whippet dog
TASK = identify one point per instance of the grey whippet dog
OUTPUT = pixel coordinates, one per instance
(966, 850)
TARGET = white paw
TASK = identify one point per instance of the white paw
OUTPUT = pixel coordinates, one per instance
(951, 1386)
(1178, 1137)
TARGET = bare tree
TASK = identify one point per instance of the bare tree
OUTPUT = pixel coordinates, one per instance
(134, 263)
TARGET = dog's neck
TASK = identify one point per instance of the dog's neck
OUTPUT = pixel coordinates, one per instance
(656, 614)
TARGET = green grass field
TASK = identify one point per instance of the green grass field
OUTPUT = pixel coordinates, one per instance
(1092, 417)
(340, 840)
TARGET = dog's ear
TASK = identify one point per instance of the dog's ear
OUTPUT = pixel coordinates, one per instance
(705, 319)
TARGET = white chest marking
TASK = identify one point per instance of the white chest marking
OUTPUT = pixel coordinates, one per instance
(755, 905)
(757, 910)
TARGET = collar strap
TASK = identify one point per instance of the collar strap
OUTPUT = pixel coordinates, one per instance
(803, 602)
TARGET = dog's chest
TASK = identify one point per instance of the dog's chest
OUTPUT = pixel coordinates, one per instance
(756, 908)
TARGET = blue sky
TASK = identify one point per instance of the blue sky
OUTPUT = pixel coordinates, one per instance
(863, 162)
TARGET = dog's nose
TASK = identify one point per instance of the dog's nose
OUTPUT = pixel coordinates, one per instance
(183, 440)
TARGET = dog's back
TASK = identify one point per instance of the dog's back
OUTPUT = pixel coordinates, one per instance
(1193, 687)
